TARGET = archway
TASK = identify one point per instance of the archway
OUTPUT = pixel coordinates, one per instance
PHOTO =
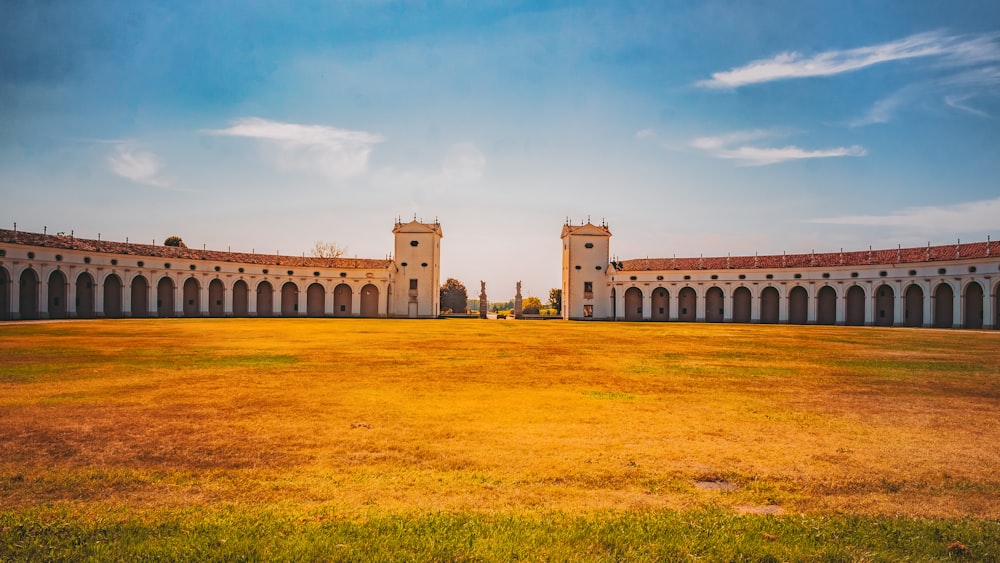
(315, 300)
(165, 297)
(973, 311)
(633, 304)
(660, 304)
(769, 305)
(714, 305)
(85, 296)
(265, 299)
(944, 306)
(57, 295)
(192, 298)
(216, 298)
(885, 305)
(913, 314)
(140, 297)
(28, 303)
(369, 301)
(241, 299)
(113, 296)
(798, 306)
(688, 303)
(342, 297)
(4, 295)
(289, 300)
(742, 305)
(826, 306)
(854, 315)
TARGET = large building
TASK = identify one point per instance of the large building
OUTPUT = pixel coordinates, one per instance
(935, 286)
(52, 277)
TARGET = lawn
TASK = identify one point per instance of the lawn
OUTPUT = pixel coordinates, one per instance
(470, 440)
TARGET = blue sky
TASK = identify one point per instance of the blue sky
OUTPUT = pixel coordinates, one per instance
(690, 127)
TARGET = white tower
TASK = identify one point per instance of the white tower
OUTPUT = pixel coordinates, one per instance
(418, 270)
(586, 293)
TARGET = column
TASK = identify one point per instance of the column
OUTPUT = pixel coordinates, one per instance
(841, 308)
(355, 302)
(15, 295)
(98, 294)
(727, 306)
(897, 305)
(227, 300)
(277, 288)
(755, 305)
(303, 295)
(619, 303)
(647, 306)
(203, 298)
(783, 305)
(958, 309)
(179, 296)
(929, 300)
(251, 298)
(870, 306)
(812, 304)
(71, 297)
(151, 297)
(988, 320)
(699, 305)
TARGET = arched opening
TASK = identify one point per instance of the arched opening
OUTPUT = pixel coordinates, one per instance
(798, 306)
(944, 306)
(826, 306)
(265, 299)
(192, 298)
(742, 305)
(4, 295)
(216, 299)
(973, 311)
(28, 303)
(769, 305)
(57, 295)
(342, 297)
(633, 304)
(854, 315)
(241, 299)
(660, 304)
(85, 296)
(885, 305)
(113, 296)
(315, 300)
(165, 297)
(913, 313)
(289, 300)
(614, 304)
(687, 304)
(369, 301)
(140, 297)
(714, 305)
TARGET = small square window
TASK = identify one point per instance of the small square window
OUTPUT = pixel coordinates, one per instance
(343, 308)
(413, 285)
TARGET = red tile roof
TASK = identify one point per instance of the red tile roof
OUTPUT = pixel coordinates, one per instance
(173, 252)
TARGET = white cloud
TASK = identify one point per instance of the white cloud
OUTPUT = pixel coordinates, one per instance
(958, 102)
(463, 164)
(129, 161)
(784, 66)
(333, 152)
(726, 139)
(973, 216)
(721, 146)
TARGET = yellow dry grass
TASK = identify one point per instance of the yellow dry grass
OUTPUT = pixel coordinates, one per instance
(456, 415)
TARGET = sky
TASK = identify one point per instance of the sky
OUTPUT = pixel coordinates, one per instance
(690, 128)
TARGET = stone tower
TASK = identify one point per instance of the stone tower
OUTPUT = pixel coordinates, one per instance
(585, 288)
(418, 270)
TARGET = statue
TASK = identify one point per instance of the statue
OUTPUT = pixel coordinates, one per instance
(483, 304)
(517, 302)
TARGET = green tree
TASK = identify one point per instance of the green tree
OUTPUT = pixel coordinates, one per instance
(531, 305)
(453, 296)
(555, 299)
(174, 240)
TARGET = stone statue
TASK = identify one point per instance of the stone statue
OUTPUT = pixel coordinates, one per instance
(517, 302)
(483, 303)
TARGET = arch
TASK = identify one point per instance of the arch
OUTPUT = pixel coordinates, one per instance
(4, 295)
(687, 304)
(633, 304)
(85, 296)
(913, 311)
(342, 297)
(714, 305)
(369, 301)
(315, 300)
(165, 297)
(241, 299)
(769, 305)
(192, 298)
(798, 306)
(289, 300)
(826, 306)
(265, 299)
(57, 295)
(660, 304)
(944, 303)
(112, 296)
(28, 303)
(140, 297)
(854, 314)
(216, 298)
(742, 305)
(972, 313)
(885, 305)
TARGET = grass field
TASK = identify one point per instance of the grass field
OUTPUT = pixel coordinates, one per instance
(480, 440)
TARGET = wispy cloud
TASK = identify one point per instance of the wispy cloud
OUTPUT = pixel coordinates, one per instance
(732, 146)
(129, 161)
(953, 49)
(464, 164)
(973, 216)
(331, 151)
(958, 102)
